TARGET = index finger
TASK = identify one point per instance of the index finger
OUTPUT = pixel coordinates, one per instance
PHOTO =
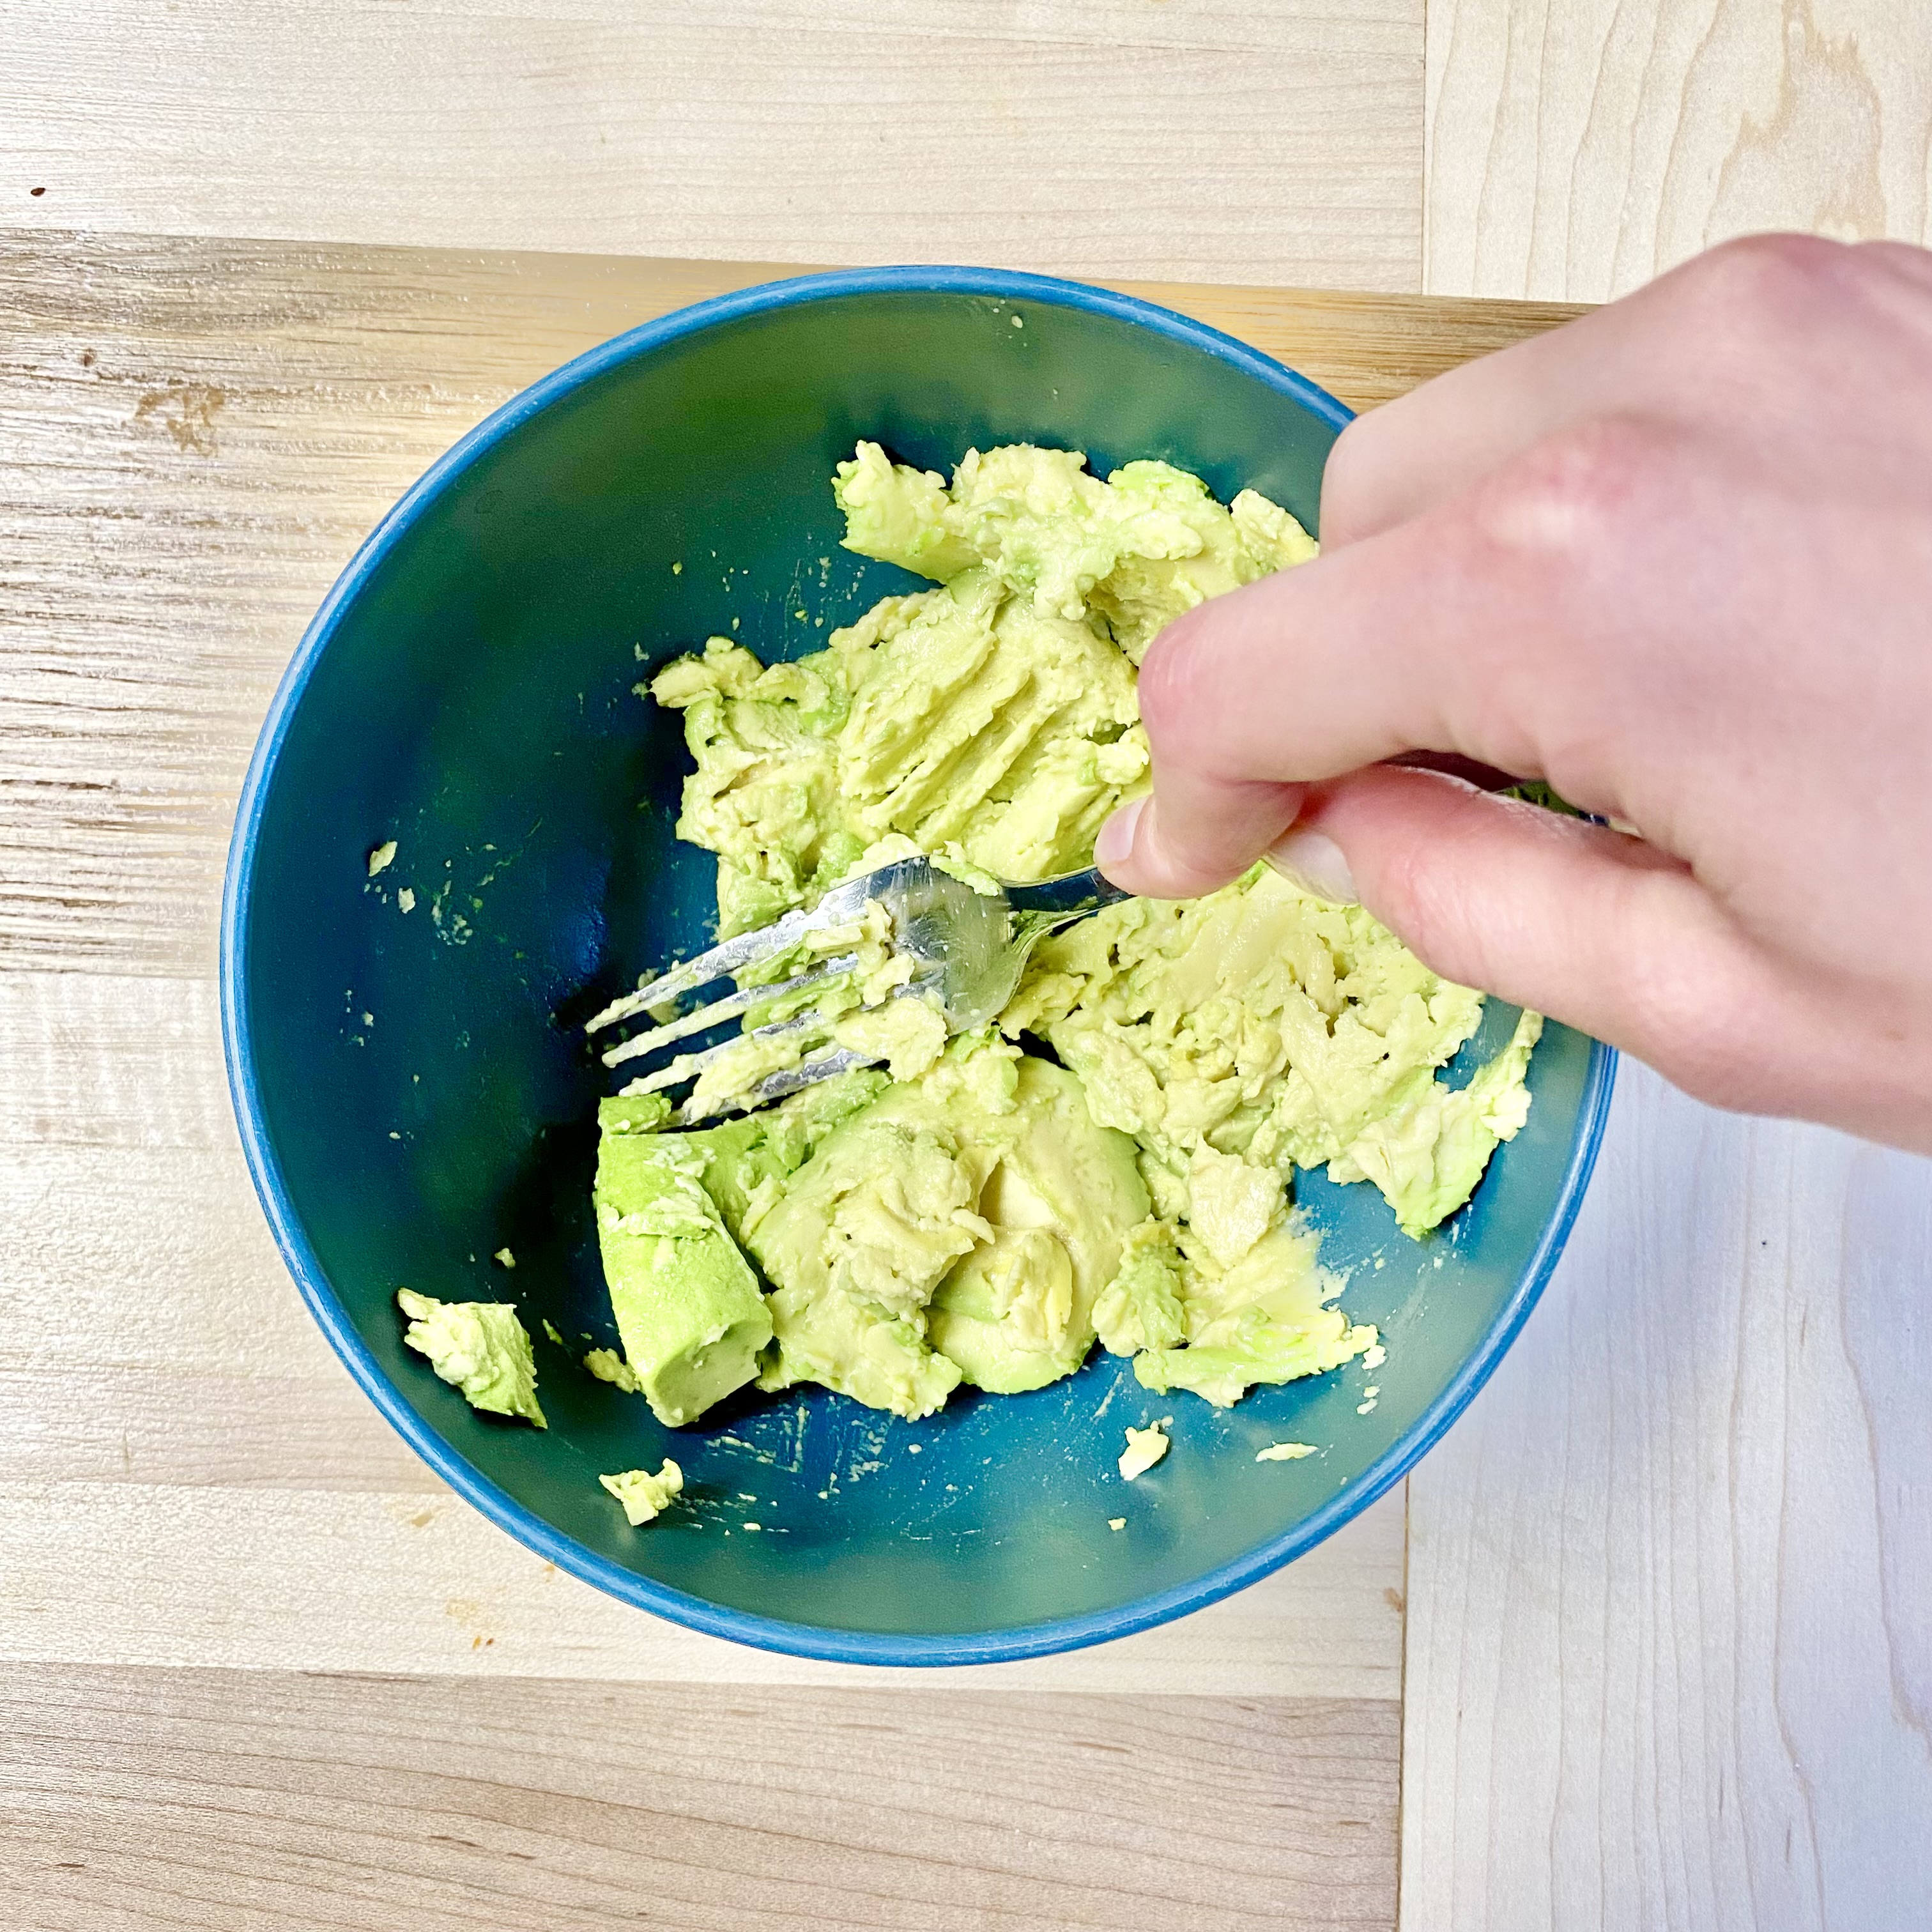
(1488, 627)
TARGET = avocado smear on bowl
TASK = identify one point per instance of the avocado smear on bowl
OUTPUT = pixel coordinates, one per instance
(971, 1211)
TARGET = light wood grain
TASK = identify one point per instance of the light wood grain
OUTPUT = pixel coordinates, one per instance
(1200, 138)
(1577, 148)
(1670, 1648)
(1667, 1646)
(193, 436)
(244, 1575)
(266, 1805)
(186, 1474)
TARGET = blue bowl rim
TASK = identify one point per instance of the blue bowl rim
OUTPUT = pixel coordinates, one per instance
(836, 1646)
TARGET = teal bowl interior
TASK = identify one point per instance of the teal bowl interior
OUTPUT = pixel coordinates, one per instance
(414, 1091)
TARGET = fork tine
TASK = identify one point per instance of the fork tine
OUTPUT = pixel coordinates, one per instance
(775, 1086)
(688, 1066)
(729, 1007)
(731, 956)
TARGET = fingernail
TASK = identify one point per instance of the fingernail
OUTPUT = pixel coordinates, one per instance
(1116, 836)
(1313, 862)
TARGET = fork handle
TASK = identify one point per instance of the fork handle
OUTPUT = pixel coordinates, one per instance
(1067, 896)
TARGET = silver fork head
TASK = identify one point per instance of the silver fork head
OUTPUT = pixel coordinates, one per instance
(976, 942)
(968, 946)
(735, 958)
(957, 936)
(744, 953)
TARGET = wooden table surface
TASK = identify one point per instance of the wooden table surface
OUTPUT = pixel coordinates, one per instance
(1648, 1642)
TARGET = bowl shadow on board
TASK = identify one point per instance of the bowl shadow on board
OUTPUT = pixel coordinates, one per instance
(414, 1091)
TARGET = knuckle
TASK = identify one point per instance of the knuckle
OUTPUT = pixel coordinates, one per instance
(1218, 834)
(1685, 1017)
(1573, 495)
(1770, 278)
(1346, 482)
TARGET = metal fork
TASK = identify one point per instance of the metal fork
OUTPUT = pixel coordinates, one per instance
(968, 947)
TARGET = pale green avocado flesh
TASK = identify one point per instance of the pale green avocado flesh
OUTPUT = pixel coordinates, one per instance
(690, 1312)
(971, 1212)
(480, 1347)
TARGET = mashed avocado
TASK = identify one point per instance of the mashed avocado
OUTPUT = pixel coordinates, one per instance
(1136, 551)
(973, 1211)
(1060, 1198)
(992, 720)
(959, 1227)
(479, 1346)
(1239, 1036)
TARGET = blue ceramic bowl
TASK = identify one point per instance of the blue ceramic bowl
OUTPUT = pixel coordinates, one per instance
(413, 1091)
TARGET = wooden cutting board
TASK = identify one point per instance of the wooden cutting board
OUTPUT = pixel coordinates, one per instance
(261, 1668)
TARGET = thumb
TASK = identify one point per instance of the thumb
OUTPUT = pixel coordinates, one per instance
(1593, 927)
(1192, 833)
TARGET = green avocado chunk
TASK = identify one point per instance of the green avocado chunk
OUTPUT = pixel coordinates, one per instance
(1141, 1307)
(645, 1497)
(1239, 1036)
(688, 1308)
(672, 1211)
(1427, 1155)
(960, 1227)
(855, 1245)
(1137, 549)
(1266, 1318)
(1018, 1312)
(747, 1161)
(479, 1346)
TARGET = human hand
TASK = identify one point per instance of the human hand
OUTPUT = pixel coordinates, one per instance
(1676, 558)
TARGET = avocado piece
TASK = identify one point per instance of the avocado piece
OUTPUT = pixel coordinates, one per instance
(643, 1495)
(1258, 1029)
(1136, 550)
(672, 1210)
(1267, 1318)
(1145, 1448)
(1427, 1155)
(1062, 1195)
(608, 1366)
(1222, 1373)
(480, 1347)
(689, 1310)
(855, 1242)
(739, 1154)
(960, 1228)
(1141, 1307)
(897, 515)
(857, 1348)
